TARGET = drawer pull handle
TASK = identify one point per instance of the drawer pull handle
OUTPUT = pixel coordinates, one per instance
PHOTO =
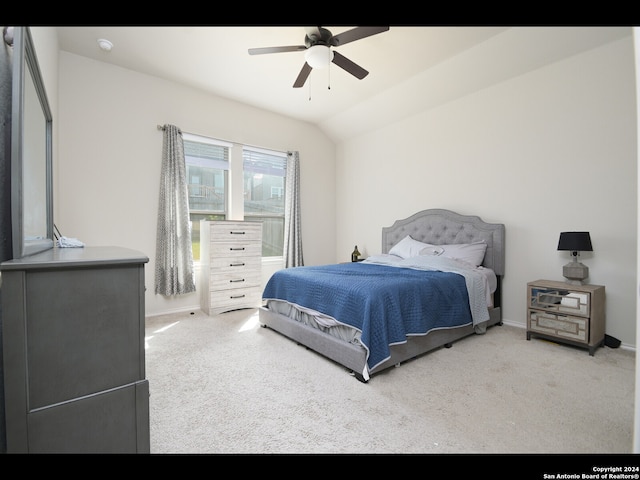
(236, 281)
(236, 296)
(236, 248)
(236, 233)
(236, 264)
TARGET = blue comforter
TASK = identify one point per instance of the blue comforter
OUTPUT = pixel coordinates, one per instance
(385, 303)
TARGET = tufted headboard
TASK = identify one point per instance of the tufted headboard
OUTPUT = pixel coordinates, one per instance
(438, 226)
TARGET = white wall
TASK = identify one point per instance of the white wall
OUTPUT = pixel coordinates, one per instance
(109, 157)
(548, 151)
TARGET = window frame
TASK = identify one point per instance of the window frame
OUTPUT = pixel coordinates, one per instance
(234, 173)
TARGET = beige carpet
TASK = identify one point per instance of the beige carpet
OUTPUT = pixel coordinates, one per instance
(223, 384)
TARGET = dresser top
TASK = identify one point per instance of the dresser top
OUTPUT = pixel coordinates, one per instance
(565, 285)
(76, 257)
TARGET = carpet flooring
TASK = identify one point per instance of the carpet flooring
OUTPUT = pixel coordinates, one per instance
(225, 385)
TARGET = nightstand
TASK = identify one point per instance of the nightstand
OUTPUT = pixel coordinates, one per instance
(572, 314)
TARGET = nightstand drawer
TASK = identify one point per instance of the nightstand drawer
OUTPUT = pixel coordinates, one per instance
(561, 301)
(562, 326)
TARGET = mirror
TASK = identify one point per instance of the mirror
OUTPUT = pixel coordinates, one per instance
(31, 152)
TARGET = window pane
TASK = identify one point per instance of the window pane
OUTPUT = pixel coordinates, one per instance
(206, 176)
(206, 169)
(195, 231)
(264, 176)
(272, 234)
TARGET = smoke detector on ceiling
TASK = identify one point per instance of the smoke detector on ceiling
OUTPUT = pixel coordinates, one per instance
(105, 44)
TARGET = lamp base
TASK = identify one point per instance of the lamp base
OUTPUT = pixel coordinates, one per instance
(575, 273)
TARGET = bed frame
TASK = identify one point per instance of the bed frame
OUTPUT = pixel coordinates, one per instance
(434, 226)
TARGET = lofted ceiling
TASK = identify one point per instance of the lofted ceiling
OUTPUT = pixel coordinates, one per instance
(411, 69)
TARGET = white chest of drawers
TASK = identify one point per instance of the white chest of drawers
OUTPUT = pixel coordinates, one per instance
(231, 262)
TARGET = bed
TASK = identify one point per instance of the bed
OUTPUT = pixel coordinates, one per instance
(437, 280)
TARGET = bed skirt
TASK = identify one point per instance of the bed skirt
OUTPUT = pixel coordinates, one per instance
(354, 357)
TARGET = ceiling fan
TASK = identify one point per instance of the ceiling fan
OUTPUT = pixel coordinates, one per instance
(318, 43)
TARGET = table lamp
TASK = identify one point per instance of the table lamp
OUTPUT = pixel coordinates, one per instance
(575, 242)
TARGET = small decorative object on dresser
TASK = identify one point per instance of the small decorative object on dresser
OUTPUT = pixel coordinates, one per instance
(572, 314)
(231, 265)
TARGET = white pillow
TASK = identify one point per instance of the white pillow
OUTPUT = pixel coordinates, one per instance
(472, 253)
(408, 247)
(432, 250)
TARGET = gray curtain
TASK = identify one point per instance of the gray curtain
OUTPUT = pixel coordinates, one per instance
(292, 233)
(174, 258)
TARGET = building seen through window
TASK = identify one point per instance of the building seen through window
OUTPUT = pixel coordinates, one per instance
(264, 174)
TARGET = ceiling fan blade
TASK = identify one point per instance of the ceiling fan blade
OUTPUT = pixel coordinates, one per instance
(346, 64)
(356, 34)
(262, 50)
(303, 75)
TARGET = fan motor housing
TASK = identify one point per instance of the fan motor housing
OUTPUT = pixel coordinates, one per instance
(325, 36)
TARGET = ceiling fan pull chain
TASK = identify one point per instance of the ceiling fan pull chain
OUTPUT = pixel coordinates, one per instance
(309, 90)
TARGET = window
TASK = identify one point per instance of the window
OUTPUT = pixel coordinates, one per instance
(264, 175)
(208, 169)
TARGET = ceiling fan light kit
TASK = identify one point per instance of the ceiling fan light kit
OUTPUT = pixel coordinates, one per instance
(318, 53)
(318, 56)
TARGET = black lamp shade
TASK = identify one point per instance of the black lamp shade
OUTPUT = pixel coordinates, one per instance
(575, 242)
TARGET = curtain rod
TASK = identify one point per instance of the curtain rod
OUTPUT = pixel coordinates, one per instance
(161, 127)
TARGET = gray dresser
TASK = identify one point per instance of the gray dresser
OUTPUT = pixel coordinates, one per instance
(74, 359)
(231, 263)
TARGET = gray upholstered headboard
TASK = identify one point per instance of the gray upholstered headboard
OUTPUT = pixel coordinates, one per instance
(438, 226)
